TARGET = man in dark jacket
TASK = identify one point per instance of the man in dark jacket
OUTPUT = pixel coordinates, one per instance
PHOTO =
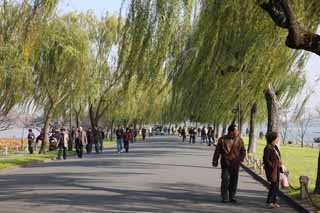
(90, 139)
(63, 144)
(31, 138)
(232, 151)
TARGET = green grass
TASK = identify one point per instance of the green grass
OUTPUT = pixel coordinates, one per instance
(108, 143)
(14, 161)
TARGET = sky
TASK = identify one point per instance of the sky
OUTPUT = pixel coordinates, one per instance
(113, 6)
(98, 6)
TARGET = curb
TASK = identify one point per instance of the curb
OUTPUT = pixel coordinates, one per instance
(292, 202)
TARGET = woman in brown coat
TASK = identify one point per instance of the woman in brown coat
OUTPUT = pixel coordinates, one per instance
(272, 165)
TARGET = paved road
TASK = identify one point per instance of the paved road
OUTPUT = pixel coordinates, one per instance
(161, 175)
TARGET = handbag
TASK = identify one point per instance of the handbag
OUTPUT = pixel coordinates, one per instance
(284, 181)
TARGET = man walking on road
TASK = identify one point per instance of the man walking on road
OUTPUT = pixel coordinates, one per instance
(119, 135)
(81, 139)
(63, 144)
(232, 151)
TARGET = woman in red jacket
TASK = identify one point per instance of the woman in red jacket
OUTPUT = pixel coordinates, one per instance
(126, 138)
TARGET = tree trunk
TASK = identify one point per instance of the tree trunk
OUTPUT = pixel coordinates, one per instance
(111, 131)
(217, 130)
(273, 110)
(77, 118)
(224, 129)
(241, 122)
(252, 141)
(317, 189)
(93, 119)
(46, 131)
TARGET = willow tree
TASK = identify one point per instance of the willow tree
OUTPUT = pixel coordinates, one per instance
(103, 82)
(20, 26)
(223, 63)
(300, 19)
(61, 58)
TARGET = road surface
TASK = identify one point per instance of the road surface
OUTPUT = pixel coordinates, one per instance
(160, 175)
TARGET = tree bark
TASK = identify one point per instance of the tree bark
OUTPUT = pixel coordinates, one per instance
(111, 131)
(94, 120)
(46, 131)
(252, 140)
(224, 129)
(217, 130)
(273, 110)
(77, 118)
(282, 14)
(317, 189)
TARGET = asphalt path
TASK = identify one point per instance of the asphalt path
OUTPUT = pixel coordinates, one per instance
(159, 175)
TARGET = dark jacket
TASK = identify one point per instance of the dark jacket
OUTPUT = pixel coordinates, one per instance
(272, 162)
(119, 133)
(90, 137)
(231, 150)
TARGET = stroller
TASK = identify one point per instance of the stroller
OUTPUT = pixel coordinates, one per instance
(53, 143)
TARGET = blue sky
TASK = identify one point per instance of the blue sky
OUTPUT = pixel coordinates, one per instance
(99, 6)
(113, 6)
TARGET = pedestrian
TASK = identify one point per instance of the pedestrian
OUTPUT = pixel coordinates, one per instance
(81, 140)
(72, 137)
(39, 139)
(210, 135)
(126, 139)
(232, 151)
(101, 137)
(131, 135)
(247, 132)
(119, 136)
(203, 135)
(143, 132)
(90, 139)
(183, 134)
(63, 144)
(96, 139)
(135, 134)
(192, 133)
(272, 165)
(31, 138)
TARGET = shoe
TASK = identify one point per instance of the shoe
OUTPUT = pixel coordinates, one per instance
(233, 200)
(276, 205)
(224, 201)
(271, 206)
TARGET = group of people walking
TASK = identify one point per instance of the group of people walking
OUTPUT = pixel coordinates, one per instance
(65, 140)
(127, 135)
(206, 134)
(231, 152)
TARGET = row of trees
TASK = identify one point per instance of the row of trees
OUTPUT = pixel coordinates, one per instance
(163, 61)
